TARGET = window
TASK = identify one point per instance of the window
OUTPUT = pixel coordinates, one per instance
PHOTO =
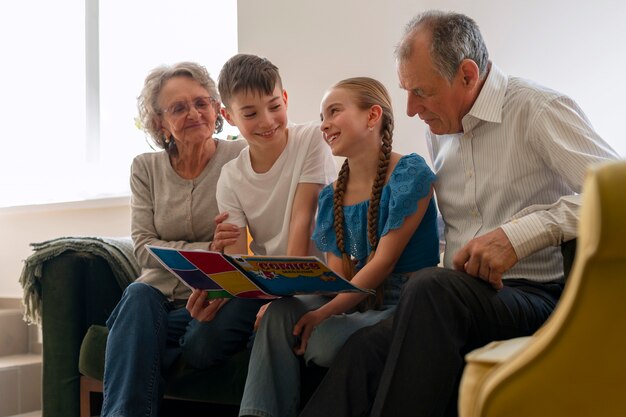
(85, 62)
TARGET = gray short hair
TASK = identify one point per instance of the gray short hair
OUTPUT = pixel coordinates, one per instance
(148, 101)
(455, 37)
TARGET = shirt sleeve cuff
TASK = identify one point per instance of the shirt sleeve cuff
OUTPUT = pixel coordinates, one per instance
(528, 235)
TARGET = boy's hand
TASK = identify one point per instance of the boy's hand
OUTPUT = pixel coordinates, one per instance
(203, 309)
(305, 326)
(226, 234)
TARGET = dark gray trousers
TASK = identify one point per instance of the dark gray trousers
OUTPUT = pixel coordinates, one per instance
(411, 364)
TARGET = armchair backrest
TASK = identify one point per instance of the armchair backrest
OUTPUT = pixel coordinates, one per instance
(576, 364)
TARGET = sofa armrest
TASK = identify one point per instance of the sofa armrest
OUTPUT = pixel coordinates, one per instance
(78, 289)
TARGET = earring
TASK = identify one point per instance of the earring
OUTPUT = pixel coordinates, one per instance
(370, 128)
(166, 139)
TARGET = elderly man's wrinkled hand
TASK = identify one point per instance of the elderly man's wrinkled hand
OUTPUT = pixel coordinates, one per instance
(488, 257)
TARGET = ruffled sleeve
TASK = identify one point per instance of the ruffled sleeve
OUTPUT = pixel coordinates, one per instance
(324, 233)
(410, 181)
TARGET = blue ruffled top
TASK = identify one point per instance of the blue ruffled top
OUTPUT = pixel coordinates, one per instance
(409, 182)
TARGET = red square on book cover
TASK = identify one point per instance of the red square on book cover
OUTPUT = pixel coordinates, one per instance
(209, 263)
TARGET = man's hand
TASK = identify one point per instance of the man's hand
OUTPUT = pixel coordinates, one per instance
(226, 234)
(487, 257)
(203, 309)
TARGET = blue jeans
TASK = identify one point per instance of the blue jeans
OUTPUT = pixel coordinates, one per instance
(273, 383)
(146, 333)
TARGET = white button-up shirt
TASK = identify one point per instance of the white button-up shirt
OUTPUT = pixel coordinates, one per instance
(518, 164)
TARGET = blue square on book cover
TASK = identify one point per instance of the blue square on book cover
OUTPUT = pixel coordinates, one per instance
(173, 259)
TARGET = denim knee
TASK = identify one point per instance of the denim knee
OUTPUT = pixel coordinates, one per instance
(322, 348)
(283, 314)
(138, 288)
(134, 300)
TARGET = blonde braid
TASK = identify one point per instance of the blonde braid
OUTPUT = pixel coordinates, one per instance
(374, 205)
(340, 189)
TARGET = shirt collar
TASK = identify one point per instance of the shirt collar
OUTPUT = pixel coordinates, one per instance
(490, 100)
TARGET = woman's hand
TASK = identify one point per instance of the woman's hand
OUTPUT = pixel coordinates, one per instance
(203, 309)
(305, 326)
(226, 234)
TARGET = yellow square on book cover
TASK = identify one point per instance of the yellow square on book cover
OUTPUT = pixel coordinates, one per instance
(235, 283)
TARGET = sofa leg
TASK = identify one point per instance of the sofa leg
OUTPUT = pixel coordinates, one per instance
(87, 386)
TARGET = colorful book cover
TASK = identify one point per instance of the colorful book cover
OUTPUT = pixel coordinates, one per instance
(252, 276)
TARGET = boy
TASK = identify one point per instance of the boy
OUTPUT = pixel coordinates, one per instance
(272, 186)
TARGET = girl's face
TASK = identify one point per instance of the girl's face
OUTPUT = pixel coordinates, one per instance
(345, 126)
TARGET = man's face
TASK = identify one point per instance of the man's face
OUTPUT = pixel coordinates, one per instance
(437, 101)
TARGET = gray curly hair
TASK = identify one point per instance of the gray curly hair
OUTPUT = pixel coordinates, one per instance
(455, 37)
(148, 101)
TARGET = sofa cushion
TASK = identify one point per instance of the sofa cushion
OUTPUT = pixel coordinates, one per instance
(91, 359)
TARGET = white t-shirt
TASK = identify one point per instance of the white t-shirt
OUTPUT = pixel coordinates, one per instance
(263, 202)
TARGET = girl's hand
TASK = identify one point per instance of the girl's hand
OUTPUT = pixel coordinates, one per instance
(259, 315)
(203, 309)
(305, 326)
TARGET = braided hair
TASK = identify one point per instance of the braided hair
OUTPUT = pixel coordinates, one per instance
(366, 93)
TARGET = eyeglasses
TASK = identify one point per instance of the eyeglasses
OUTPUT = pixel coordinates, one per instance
(181, 108)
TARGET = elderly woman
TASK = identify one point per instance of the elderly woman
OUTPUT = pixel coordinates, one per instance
(173, 205)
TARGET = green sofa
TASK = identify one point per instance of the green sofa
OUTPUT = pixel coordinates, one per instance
(78, 291)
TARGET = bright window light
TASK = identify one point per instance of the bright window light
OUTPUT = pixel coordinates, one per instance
(52, 153)
(42, 105)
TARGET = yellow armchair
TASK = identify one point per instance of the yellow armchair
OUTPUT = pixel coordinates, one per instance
(575, 365)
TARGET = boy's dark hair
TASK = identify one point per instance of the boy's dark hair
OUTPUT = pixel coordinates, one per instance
(247, 73)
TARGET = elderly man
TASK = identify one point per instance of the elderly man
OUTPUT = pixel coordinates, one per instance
(510, 157)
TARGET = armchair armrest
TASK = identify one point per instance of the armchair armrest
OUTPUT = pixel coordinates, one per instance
(78, 289)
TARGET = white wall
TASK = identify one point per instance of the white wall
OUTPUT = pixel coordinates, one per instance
(573, 47)
(22, 226)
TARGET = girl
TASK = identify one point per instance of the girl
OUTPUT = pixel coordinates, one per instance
(377, 225)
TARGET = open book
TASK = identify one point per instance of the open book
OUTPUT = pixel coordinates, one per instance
(252, 276)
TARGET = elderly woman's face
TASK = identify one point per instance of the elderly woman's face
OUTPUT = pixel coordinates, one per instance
(189, 113)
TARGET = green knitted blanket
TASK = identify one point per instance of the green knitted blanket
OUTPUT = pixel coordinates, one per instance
(118, 252)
